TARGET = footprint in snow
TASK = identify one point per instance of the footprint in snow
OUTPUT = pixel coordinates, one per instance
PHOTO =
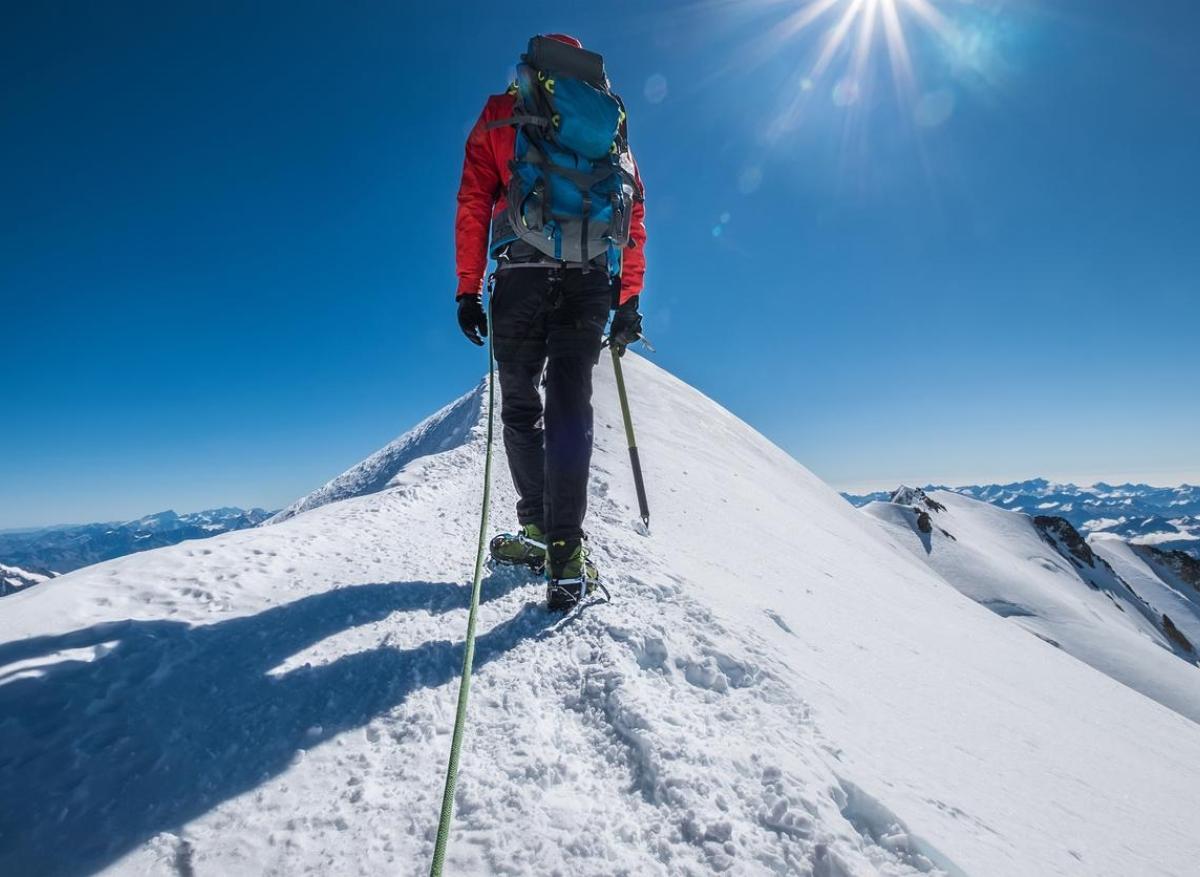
(774, 616)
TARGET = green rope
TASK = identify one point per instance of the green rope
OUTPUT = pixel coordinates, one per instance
(460, 718)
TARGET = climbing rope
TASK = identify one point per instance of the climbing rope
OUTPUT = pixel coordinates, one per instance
(464, 687)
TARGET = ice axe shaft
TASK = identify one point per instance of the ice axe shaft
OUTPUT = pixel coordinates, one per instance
(643, 507)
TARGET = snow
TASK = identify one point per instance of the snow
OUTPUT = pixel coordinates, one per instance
(13, 579)
(17, 573)
(779, 687)
(1156, 584)
(999, 559)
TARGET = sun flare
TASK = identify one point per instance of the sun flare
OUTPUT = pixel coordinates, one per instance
(844, 48)
(851, 28)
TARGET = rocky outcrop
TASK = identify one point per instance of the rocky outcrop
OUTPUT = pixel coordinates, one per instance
(915, 497)
(1176, 636)
(1063, 536)
(922, 504)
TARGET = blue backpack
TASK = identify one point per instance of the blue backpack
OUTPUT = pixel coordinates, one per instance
(572, 187)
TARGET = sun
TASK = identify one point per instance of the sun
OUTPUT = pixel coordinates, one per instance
(846, 35)
(850, 32)
(839, 45)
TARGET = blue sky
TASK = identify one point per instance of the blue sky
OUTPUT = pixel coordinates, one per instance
(226, 266)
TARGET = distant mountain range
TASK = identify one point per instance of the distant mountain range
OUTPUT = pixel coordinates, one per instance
(56, 550)
(1165, 517)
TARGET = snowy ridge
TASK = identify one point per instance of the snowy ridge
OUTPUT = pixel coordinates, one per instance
(777, 688)
(1165, 516)
(1160, 578)
(1040, 574)
(13, 579)
(447, 428)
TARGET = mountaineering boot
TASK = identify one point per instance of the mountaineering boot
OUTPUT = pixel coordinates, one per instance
(571, 575)
(526, 547)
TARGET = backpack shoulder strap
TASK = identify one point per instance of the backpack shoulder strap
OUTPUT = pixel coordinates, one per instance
(518, 120)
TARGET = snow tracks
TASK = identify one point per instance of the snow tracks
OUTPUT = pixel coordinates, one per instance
(645, 737)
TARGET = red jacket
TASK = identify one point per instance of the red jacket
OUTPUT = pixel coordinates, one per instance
(485, 177)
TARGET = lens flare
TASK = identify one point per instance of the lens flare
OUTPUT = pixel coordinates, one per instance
(838, 48)
(851, 27)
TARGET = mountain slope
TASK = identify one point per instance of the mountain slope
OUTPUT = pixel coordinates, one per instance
(445, 429)
(1169, 583)
(1040, 575)
(777, 688)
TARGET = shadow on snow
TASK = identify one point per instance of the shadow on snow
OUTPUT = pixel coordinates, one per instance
(97, 757)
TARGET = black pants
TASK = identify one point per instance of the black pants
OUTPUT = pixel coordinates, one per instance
(549, 319)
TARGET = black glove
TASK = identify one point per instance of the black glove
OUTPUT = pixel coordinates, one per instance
(626, 326)
(471, 318)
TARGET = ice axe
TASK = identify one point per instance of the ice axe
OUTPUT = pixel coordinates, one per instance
(643, 507)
